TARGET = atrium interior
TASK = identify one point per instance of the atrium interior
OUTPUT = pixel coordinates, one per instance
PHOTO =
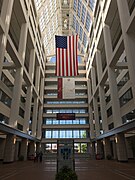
(104, 104)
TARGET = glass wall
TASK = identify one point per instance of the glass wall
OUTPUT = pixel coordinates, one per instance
(78, 148)
(54, 121)
(61, 133)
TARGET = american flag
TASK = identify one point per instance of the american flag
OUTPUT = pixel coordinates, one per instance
(66, 56)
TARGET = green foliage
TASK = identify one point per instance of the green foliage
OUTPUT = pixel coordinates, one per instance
(109, 157)
(21, 158)
(84, 135)
(66, 174)
(84, 148)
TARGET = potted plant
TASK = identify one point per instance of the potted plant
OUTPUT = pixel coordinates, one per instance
(21, 158)
(109, 156)
(66, 174)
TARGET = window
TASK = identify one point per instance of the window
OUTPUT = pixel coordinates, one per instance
(48, 121)
(91, 4)
(55, 122)
(48, 134)
(4, 119)
(111, 126)
(82, 121)
(75, 121)
(109, 112)
(21, 112)
(83, 147)
(62, 121)
(55, 134)
(76, 134)
(62, 134)
(79, 47)
(74, 21)
(85, 40)
(5, 98)
(42, 21)
(19, 126)
(108, 98)
(128, 117)
(69, 134)
(88, 22)
(81, 33)
(75, 4)
(126, 97)
(83, 14)
(79, 8)
(69, 122)
(77, 27)
(123, 81)
(83, 133)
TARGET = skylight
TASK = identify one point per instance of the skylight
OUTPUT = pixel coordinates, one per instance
(63, 18)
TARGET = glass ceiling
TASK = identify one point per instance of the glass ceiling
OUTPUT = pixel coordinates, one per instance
(65, 17)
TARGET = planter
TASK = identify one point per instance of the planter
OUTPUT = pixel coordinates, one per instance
(66, 174)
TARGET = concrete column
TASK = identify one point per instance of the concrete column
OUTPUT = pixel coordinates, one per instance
(121, 147)
(32, 148)
(42, 88)
(129, 40)
(34, 118)
(6, 11)
(37, 84)
(93, 151)
(96, 116)
(129, 148)
(93, 76)
(22, 41)
(27, 109)
(99, 65)
(99, 147)
(2, 147)
(89, 90)
(9, 148)
(16, 151)
(18, 78)
(32, 64)
(101, 92)
(40, 117)
(24, 148)
(107, 147)
(16, 98)
(92, 135)
(103, 108)
(38, 147)
(112, 79)
(88, 148)
(114, 150)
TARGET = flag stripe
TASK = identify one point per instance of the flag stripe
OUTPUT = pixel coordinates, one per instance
(70, 57)
(76, 58)
(57, 62)
(67, 63)
(73, 44)
(62, 61)
(65, 70)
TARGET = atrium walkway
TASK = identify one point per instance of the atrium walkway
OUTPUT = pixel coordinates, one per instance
(86, 170)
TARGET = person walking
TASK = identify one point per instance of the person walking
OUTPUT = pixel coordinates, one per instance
(40, 156)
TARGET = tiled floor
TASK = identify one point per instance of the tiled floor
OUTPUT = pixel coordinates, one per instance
(86, 170)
